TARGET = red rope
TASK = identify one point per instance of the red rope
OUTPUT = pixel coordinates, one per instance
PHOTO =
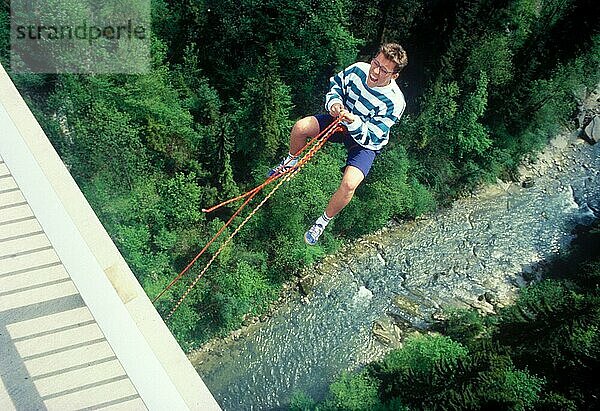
(320, 140)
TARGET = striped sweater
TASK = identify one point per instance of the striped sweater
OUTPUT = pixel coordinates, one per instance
(377, 108)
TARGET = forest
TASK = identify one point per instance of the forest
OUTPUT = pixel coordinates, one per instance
(487, 84)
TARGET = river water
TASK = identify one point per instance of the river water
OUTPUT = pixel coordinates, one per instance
(370, 294)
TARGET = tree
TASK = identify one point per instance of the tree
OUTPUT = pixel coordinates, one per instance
(4, 35)
(261, 124)
(354, 392)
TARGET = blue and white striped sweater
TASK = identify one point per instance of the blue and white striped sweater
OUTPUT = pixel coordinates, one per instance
(377, 108)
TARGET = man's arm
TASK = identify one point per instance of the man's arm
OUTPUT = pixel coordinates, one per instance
(334, 100)
(373, 133)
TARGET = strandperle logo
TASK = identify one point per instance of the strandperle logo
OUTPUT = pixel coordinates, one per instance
(74, 36)
(81, 32)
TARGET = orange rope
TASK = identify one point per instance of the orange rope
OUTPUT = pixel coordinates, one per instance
(269, 180)
(320, 140)
(250, 193)
(288, 176)
(181, 274)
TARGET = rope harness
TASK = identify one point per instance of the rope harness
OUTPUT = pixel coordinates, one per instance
(313, 146)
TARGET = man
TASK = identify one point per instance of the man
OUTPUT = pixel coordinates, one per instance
(369, 102)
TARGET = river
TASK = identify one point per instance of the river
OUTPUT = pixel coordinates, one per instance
(372, 292)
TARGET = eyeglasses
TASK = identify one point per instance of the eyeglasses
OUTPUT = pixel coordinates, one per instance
(376, 64)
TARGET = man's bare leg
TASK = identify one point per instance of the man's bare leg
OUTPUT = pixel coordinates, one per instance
(305, 128)
(340, 199)
(350, 181)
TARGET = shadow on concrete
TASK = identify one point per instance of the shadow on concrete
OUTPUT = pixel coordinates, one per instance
(13, 373)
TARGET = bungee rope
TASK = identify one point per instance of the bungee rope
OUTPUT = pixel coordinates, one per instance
(315, 145)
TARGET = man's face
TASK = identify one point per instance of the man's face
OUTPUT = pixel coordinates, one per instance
(381, 71)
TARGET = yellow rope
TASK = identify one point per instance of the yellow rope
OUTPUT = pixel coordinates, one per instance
(311, 152)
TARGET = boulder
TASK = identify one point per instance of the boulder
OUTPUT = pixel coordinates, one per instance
(307, 284)
(527, 182)
(490, 297)
(592, 130)
(387, 332)
(409, 306)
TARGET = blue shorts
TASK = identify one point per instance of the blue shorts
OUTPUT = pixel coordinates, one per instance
(358, 156)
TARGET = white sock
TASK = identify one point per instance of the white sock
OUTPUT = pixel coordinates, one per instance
(323, 220)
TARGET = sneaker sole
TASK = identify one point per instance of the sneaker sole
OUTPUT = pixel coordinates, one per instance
(308, 242)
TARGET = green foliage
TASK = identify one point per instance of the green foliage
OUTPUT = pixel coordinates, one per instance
(261, 124)
(293, 208)
(562, 319)
(88, 121)
(181, 200)
(354, 392)
(492, 56)
(452, 138)
(308, 40)
(521, 17)
(453, 125)
(4, 36)
(470, 134)
(184, 325)
(548, 310)
(437, 115)
(486, 107)
(390, 190)
(420, 355)
(464, 326)
(517, 388)
(430, 371)
(301, 401)
(195, 92)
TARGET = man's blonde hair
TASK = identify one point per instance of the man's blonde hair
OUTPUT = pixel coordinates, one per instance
(394, 52)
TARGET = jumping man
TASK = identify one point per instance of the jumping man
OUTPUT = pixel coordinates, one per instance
(369, 102)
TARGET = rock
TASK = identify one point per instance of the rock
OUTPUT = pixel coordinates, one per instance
(439, 316)
(364, 293)
(482, 306)
(490, 297)
(586, 215)
(592, 130)
(559, 141)
(410, 307)
(306, 284)
(528, 182)
(581, 116)
(505, 185)
(386, 332)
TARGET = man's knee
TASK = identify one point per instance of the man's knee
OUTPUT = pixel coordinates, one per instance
(349, 187)
(351, 180)
(307, 127)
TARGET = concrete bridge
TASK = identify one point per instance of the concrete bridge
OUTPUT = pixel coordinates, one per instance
(76, 329)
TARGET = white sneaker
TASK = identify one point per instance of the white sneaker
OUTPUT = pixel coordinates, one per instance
(312, 235)
(283, 167)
